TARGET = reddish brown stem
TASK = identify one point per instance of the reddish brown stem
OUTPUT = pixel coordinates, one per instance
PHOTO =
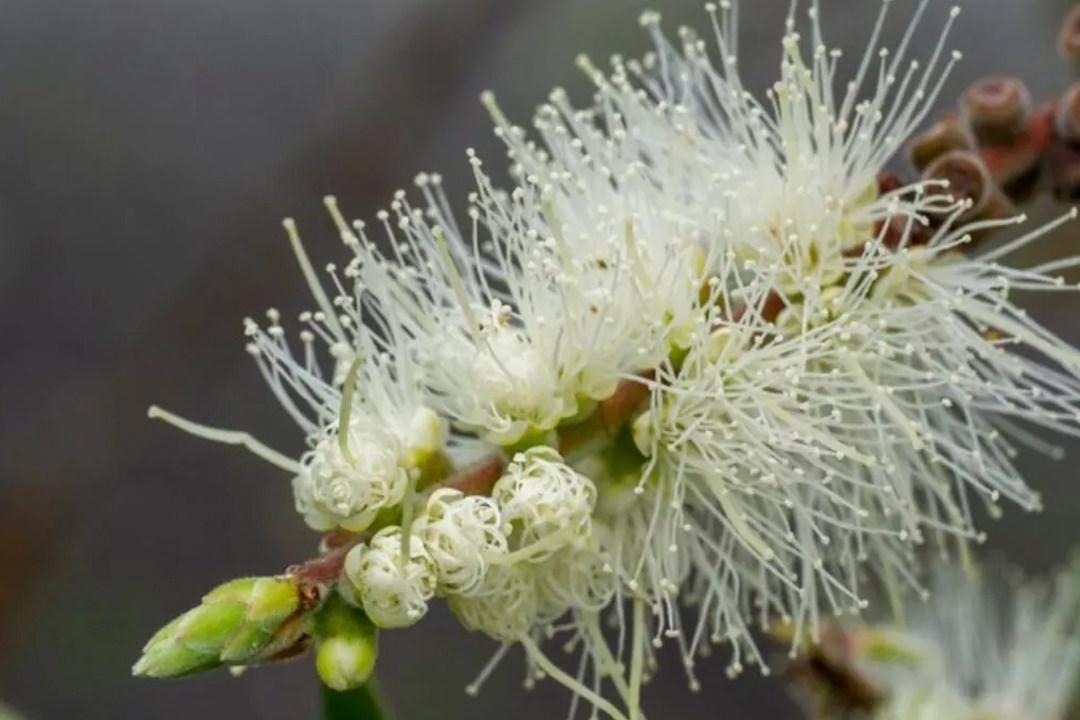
(312, 577)
(478, 479)
(770, 306)
(610, 415)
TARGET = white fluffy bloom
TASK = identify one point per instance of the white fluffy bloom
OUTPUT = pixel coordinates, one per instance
(548, 503)
(509, 376)
(983, 648)
(788, 185)
(515, 324)
(462, 535)
(393, 588)
(633, 268)
(370, 383)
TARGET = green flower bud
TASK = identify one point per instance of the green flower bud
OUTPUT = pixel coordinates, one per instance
(240, 622)
(347, 645)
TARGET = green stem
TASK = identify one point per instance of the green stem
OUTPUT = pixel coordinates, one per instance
(363, 703)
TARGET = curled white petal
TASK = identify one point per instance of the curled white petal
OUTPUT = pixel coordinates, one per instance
(346, 484)
(548, 503)
(462, 534)
(393, 590)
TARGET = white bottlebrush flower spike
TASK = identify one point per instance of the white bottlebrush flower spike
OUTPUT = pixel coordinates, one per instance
(700, 356)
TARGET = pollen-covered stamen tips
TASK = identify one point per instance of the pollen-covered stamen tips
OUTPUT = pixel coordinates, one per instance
(699, 370)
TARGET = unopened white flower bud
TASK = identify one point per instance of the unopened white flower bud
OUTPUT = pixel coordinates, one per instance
(461, 534)
(425, 433)
(547, 501)
(393, 590)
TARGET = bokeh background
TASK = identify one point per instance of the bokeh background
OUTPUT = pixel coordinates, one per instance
(148, 149)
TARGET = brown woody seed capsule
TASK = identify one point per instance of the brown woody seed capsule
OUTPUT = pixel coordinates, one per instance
(947, 134)
(1067, 120)
(1069, 39)
(996, 109)
(1016, 166)
(1063, 153)
(969, 180)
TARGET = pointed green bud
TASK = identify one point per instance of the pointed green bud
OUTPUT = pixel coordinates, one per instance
(347, 645)
(240, 622)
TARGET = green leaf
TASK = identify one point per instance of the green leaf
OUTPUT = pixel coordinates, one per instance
(359, 704)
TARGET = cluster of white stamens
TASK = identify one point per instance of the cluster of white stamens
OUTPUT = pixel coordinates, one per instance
(462, 535)
(549, 501)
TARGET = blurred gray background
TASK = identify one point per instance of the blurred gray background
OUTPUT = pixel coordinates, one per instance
(148, 150)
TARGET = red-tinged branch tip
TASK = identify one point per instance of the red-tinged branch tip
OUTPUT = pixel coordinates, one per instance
(1063, 152)
(1067, 120)
(1063, 167)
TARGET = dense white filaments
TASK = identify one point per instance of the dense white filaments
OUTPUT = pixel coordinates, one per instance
(789, 463)
(828, 382)
(525, 319)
